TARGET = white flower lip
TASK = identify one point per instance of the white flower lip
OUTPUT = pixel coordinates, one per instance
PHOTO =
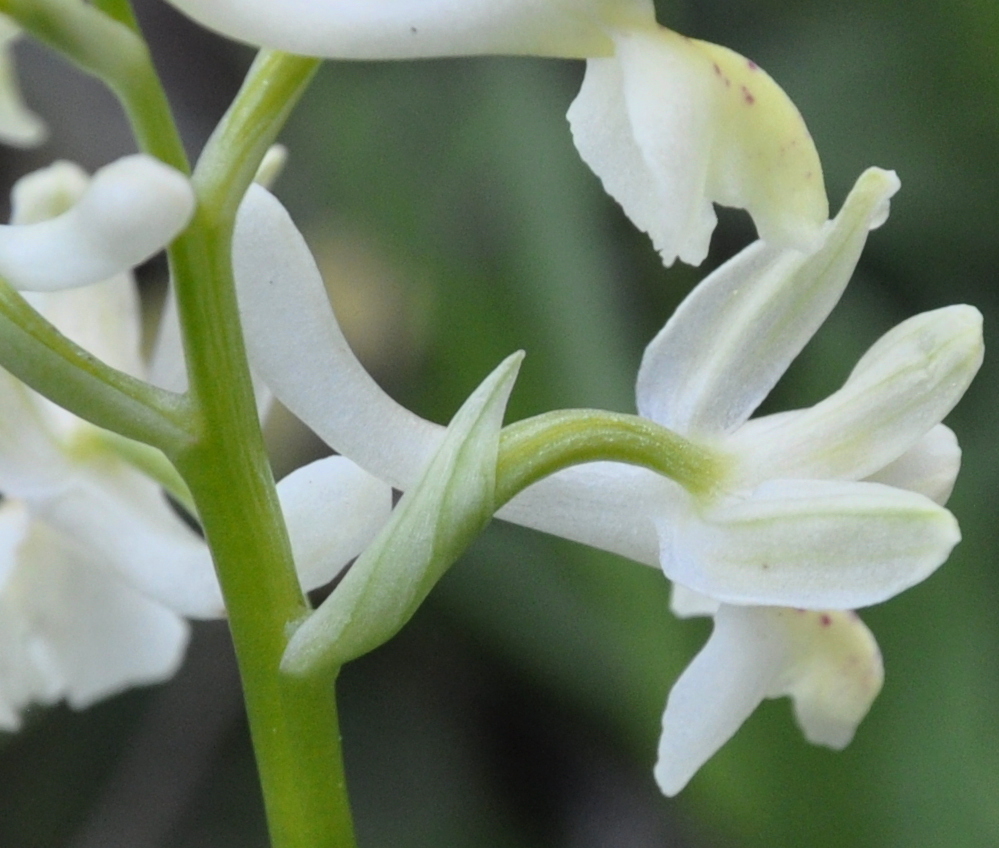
(131, 209)
(827, 661)
(669, 124)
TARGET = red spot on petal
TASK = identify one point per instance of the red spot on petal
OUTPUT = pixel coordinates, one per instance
(752, 65)
(826, 619)
(747, 96)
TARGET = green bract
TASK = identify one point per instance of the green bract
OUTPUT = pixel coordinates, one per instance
(434, 522)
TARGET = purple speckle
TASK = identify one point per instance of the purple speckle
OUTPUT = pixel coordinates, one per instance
(747, 96)
(752, 65)
(826, 619)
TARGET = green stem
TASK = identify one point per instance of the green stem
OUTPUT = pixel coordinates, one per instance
(293, 722)
(538, 447)
(230, 160)
(110, 49)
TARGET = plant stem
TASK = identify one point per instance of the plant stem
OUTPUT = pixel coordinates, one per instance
(116, 54)
(293, 722)
(39, 355)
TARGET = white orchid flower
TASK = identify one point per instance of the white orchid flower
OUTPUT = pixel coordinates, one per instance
(827, 661)
(19, 126)
(668, 123)
(96, 569)
(823, 509)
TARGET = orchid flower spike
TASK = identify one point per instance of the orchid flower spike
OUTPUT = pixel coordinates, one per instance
(823, 509)
(92, 229)
(19, 126)
(669, 124)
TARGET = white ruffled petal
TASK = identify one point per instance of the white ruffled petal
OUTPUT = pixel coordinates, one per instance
(733, 337)
(902, 387)
(809, 543)
(408, 29)
(288, 321)
(131, 209)
(334, 509)
(671, 125)
(657, 169)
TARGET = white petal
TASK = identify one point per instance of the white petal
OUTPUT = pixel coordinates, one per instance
(123, 517)
(433, 524)
(663, 188)
(70, 630)
(333, 509)
(764, 159)
(19, 126)
(810, 544)
(297, 348)
(131, 210)
(670, 125)
(902, 387)
(405, 29)
(732, 338)
(828, 662)
(104, 318)
(606, 505)
(32, 461)
(929, 467)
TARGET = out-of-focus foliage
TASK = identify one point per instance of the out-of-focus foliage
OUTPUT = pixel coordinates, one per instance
(521, 706)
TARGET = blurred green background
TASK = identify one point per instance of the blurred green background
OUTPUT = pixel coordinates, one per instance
(521, 707)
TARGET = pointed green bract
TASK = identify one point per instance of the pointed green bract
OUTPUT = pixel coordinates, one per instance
(433, 523)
